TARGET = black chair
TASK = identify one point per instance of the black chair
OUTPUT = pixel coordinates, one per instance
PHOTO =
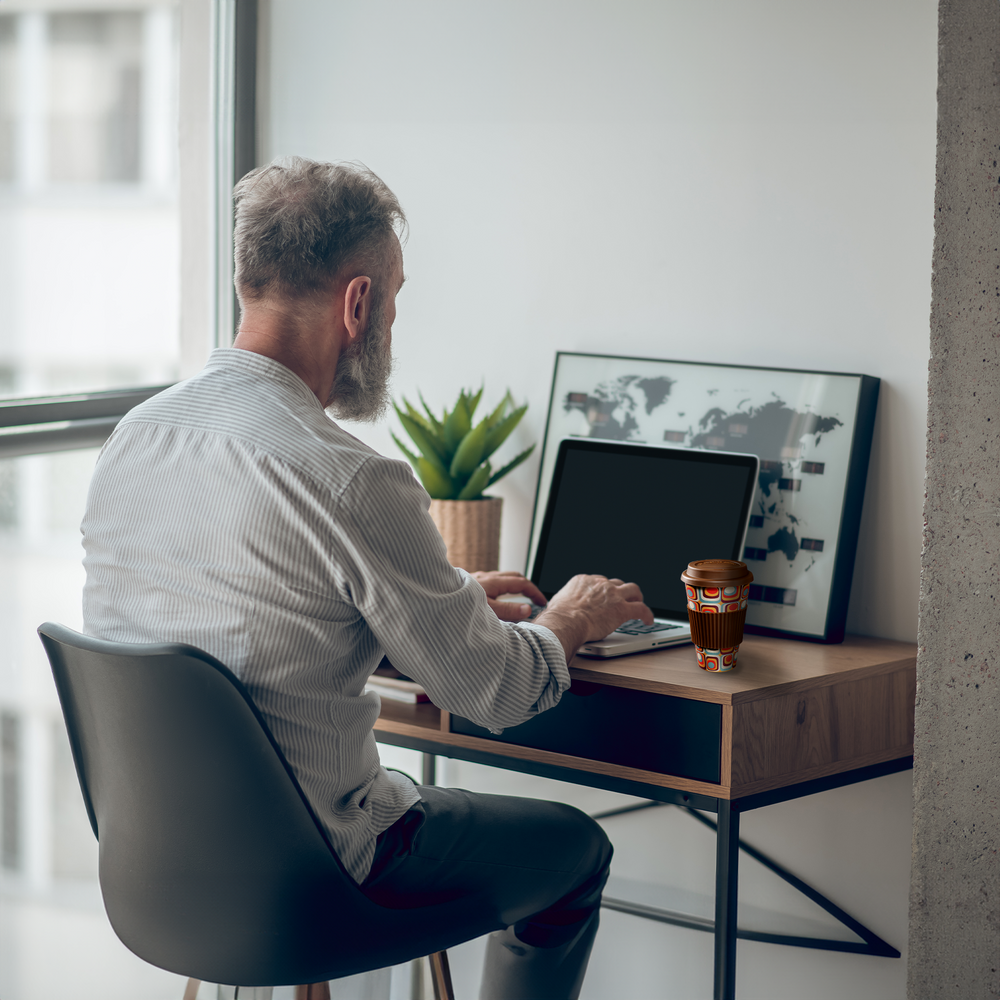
(212, 863)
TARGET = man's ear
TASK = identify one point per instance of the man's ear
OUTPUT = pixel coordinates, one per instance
(357, 305)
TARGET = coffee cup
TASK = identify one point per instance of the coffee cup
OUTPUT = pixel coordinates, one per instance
(717, 594)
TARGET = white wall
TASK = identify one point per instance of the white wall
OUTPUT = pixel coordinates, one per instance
(721, 181)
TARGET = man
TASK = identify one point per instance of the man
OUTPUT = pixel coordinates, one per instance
(230, 512)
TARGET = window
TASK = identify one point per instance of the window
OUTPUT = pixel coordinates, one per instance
(89, 211)
(90, 306)
(41, 504)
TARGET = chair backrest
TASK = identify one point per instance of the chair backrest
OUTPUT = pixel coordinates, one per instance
(212, 863)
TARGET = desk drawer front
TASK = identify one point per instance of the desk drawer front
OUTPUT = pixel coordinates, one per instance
(852, 723)
(632, 728)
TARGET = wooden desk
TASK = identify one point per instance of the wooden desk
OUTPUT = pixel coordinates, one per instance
(792, 719)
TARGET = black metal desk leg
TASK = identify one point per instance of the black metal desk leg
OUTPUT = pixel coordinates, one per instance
(727, 857)
(429, 769)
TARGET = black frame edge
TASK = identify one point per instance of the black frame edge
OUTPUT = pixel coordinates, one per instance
(850, 515)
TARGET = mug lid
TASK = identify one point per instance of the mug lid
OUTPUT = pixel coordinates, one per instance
(706, 572)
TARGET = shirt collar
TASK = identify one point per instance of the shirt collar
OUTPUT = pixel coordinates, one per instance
(260, 367)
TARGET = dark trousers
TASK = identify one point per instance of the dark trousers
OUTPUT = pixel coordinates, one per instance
(538, 866)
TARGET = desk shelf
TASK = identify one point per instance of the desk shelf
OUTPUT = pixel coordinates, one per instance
(398, 716)
(425, 736)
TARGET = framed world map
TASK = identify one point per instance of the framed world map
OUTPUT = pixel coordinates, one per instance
(812, 432)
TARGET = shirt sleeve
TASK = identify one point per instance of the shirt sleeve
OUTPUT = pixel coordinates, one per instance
(432, 619)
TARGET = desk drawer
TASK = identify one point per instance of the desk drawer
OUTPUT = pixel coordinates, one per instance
(619, 726)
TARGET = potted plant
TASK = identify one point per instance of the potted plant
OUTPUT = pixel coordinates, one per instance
(452, 461)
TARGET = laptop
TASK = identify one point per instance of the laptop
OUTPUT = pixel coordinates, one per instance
(641, 514)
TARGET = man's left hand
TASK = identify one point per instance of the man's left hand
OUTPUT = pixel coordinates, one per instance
(497, 583)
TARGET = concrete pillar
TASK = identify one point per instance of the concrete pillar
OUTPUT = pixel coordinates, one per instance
(954, 948)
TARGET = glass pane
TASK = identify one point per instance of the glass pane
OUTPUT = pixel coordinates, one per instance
(89, 219)
(55, 939)
(8, 97)
(94, 78)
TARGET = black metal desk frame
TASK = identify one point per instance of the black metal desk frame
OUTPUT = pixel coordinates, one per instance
(728, 846)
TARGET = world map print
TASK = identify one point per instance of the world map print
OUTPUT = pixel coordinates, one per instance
(799, 424)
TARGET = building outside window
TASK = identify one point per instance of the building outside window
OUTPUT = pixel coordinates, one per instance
(89, 218)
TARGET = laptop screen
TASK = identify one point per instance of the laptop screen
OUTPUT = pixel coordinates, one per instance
(642, 514)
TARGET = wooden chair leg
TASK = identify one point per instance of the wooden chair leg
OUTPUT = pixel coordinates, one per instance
(191, 990)
(313, 991)
(441, 976)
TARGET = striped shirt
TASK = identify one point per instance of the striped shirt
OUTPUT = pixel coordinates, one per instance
(231, 513)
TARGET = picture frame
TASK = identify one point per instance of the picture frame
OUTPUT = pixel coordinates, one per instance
(812, 431)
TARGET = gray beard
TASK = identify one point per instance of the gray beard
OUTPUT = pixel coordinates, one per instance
(361, 386)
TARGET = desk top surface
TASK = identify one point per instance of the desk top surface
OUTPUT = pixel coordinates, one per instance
(766, 667)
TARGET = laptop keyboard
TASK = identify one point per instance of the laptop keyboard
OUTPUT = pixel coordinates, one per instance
(636, 627)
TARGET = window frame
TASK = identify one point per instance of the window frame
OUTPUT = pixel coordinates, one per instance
(34, 425)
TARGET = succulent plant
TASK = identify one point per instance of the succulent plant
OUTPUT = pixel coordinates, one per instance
(452, 459)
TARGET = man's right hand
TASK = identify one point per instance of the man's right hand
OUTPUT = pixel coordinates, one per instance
(591, 607)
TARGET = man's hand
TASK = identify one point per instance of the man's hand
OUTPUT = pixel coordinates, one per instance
(591, 607)
(496, 584)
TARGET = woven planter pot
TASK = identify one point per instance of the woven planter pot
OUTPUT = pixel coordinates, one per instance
(471, 531)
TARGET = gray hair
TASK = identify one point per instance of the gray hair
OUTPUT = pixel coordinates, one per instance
(299, 223)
